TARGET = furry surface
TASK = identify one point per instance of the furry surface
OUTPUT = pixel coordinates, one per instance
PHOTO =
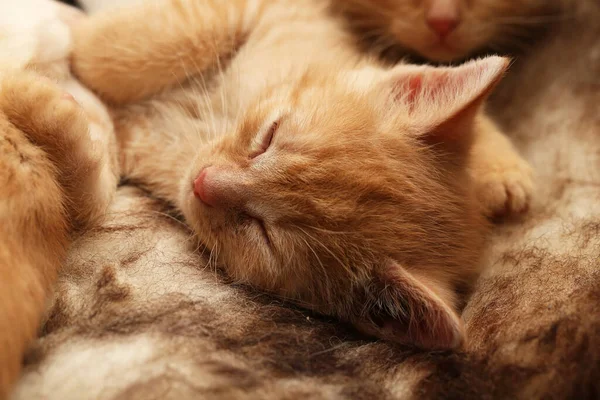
(137, 317)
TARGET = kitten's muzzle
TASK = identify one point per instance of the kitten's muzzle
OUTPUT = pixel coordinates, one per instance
(221, 188)
(442, 17)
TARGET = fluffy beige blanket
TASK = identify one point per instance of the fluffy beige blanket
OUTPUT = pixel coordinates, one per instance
(136, 316)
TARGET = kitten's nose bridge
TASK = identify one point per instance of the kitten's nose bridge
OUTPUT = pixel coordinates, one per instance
(221, 187)
(443, 16)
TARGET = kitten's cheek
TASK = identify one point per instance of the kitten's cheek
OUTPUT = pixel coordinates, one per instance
(195, 218)
(187, 199)
(188, 204)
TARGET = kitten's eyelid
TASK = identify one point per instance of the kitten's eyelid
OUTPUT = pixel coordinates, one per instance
(265, 232)
(264, 139)
(259, 224)
(268, 138)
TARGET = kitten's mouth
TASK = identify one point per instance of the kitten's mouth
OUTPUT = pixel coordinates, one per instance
(443, 45)
(442, 51)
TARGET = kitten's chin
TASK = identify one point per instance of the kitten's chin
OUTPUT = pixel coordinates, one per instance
(442, 53)
(454, 49)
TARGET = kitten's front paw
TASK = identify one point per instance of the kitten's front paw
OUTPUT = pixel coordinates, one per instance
(52, 120)
(504, 186)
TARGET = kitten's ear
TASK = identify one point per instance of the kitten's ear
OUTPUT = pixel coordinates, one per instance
(405, 308)
(442, 102)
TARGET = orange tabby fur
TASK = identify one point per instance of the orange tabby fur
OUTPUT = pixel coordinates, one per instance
(469, 26)
(25, 275)
(362, 207)
(46, 168)
(55, 171)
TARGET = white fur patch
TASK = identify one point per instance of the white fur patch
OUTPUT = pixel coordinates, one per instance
(94, 6)
(31, 31)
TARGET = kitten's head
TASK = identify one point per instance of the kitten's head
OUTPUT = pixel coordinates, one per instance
(347, 194)
(447, 30)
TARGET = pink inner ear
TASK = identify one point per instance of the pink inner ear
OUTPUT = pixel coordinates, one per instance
(425, 89)
(415, 87)
(436, 95)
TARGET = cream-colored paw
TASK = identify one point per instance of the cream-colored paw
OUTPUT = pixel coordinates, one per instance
(504, 186)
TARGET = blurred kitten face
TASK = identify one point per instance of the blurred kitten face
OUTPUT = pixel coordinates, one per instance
(328, 193)
(446, 30)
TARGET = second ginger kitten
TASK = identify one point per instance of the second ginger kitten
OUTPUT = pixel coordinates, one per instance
(446, 30)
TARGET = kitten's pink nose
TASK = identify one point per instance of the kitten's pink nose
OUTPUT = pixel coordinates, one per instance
(443, 16)
(203, 189)
(442, 27)
(222, 187)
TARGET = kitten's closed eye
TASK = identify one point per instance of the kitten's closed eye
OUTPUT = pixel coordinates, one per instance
(260, 225)
(265, 140)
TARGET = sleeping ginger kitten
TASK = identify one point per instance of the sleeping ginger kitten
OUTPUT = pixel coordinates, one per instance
(446, 30)
(309, 170)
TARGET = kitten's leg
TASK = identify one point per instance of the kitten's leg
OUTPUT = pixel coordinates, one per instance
(52, 179)
(33, 225)
(132, 53)
(33, 240)
(503, 179)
